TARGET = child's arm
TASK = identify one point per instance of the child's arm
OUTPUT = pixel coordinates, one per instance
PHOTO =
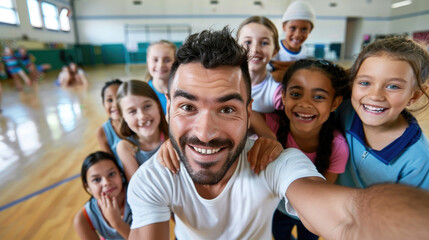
(280, 68)
(83, 227)
(112, 214)
(263, 152)
(260, 127)
(126, 153)
(102, 140)
(168, 158)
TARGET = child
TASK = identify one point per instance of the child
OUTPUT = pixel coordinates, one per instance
(13, 68)
(143, 124)
(311, 92)
(26, 60)
(107, 212)
(109, 135)
(259, 35)
(71, 76)
(160, 58)
(298, 21)
(386, 142)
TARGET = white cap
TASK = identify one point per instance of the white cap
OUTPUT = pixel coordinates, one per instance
(299, 10)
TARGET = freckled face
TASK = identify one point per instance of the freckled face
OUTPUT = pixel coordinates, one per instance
(208, 119)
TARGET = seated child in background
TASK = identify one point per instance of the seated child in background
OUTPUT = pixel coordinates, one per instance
(72, 76)
(160, 58)
(27, 62)
(311, 92)
(386, 143)
(107, 212)
(14, 69)
(109, 134)
(143, 124)
(298, 22)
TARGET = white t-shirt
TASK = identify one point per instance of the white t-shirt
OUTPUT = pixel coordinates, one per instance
(267, 95)
(286, 55)
(243, 210)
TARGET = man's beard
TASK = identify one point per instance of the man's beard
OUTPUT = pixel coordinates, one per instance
(206, 177)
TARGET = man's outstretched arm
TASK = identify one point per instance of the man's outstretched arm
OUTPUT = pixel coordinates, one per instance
(158, 231)
(385, 211)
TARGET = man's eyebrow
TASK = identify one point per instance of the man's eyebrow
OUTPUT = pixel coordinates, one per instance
(181, 93)
(234, 96)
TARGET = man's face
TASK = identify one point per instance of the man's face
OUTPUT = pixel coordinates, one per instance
(208, 119)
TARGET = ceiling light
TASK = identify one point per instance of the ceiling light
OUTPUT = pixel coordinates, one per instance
(401, 3)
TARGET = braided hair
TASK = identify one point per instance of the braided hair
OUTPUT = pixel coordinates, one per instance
(339, 82)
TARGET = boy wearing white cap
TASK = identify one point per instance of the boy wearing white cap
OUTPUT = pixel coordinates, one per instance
(298, 21)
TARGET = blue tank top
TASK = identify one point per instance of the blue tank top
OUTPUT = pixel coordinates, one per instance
(142, 156)
(100, 224)
(112, 139)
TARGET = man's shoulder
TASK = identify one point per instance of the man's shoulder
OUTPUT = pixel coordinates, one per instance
(151, 169)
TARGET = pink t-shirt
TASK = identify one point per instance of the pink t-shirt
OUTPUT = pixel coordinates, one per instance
(340, 149)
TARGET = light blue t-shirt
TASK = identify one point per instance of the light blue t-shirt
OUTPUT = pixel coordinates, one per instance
(405, 160)
(161, 97)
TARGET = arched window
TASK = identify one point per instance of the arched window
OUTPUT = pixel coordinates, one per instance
(65, 19)
(8, 12)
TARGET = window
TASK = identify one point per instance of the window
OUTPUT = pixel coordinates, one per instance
(64, 19)
(34, 13)
(50, 16)
(8, 12)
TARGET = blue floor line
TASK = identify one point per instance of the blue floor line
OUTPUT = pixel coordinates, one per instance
(6, 206)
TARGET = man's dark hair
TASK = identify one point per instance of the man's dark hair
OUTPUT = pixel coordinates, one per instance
(213, 49)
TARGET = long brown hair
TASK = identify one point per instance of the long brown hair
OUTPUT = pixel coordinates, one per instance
(139, 88)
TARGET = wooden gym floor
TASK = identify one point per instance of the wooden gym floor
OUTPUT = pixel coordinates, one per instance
(45, 133)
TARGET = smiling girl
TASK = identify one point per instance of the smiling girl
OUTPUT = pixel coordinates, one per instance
(160, 58)
(107, 212)
(108, 135)
(143, 124)
(311, 92)
(386, 142)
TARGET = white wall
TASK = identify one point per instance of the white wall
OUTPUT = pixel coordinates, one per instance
(10, 32)
(103, 21)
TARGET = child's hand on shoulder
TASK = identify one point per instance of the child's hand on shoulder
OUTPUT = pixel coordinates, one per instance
(168, 157)
(264, 151)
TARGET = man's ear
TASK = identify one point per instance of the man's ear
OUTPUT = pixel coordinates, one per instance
(337, 101)
(249, 113)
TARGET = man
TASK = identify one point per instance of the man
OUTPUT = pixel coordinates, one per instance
(217, 196)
